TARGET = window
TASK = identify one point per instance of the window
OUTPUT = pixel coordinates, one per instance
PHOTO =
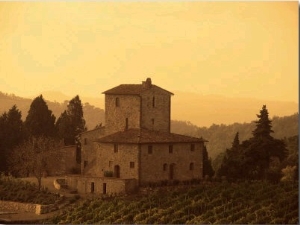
(131, 164)
(165, 167)
(85, 163)
(117, 102)
(192, 147)
(170, 148)
(150, 149)
(126, 123)
(153, 102)
(116, 148)
(191, 166)
(85, 141)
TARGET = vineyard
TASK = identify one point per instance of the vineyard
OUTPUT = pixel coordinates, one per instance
(218, 203)
(12, 189)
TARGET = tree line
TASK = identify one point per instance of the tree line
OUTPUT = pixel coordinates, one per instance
(25, 147)
(261, 157)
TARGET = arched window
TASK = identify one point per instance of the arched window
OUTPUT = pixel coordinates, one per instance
(165, 167)
(117, 102)
(191, 166)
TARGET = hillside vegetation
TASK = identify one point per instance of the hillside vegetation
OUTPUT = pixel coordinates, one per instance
(218, 203)
(220, 136)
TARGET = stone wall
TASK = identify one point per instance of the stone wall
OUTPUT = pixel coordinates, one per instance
(115, 116)
(152, 169)
(10, 206)
(101, 185)
(156, 115)
(88, 149)
(63, 162)
(108, 159)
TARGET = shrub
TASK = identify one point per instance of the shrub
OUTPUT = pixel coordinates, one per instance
(108, 173)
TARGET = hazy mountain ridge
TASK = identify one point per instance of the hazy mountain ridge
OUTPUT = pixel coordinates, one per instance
(220, 136)
(93, 115)
(203, 110)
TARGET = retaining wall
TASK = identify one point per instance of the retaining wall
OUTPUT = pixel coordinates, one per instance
(26, 207)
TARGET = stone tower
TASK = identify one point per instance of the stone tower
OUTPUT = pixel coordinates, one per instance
(137, 106)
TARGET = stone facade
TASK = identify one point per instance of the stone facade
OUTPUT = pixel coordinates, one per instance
(172, 161)
(102, 185)
(88, 150)
(136, 146)
(65, 163)
(124, 107)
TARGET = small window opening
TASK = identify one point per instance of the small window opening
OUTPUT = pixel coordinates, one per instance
(116, 148)
(170, 148)
(150, 149)
(192, 147)
(126, 123)
(117, 102)
(191, 166)
(165, 167)
(131, 164)
(153, 102)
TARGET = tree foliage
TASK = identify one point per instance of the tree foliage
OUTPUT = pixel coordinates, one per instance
(40, 121)
(34, 157)
(207, 167)
(11, 134)
(71, 122)
(258, 157)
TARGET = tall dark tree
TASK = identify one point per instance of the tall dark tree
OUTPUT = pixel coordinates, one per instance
(40, 121)
(232, 164)
(263, 125)
(11, 134)
(207, 167)
(71, 122)
(264, 149)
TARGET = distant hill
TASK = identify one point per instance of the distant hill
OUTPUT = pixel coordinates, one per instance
(221, 136)
(205, 110)
(202, 110)
(93, 115)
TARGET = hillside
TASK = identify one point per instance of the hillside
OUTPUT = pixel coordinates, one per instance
(93, 115)
(202, 110)
(221, 136)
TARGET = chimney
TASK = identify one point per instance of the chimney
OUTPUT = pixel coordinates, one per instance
(148, 83)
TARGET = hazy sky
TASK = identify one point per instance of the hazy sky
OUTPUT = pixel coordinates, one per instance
(248, 49)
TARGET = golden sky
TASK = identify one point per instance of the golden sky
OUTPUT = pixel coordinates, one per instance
(245, 49)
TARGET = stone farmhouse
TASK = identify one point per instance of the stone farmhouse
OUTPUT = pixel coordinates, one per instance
(136, 146)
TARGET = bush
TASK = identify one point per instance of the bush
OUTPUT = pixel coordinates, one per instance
(108, 173)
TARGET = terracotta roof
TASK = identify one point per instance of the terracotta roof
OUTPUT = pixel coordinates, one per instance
(132, 89)
(136, 136)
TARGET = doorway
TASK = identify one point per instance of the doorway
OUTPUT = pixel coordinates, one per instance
(117, 171)
(92, 187)
(172, 171)
(104, 188)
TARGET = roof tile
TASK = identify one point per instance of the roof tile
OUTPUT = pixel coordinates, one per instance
(136, 136)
